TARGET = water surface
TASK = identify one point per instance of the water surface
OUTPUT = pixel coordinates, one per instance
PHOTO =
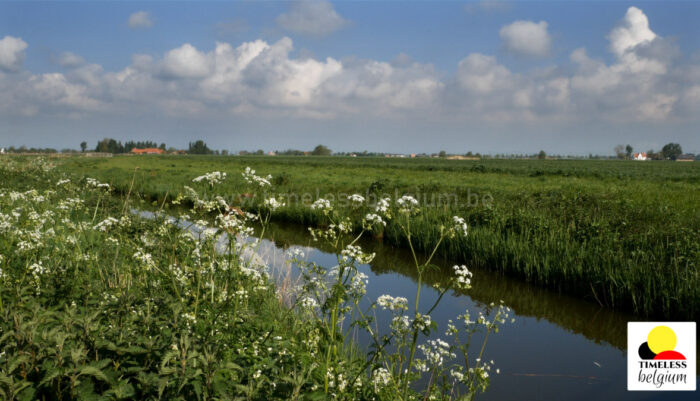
(559, 347)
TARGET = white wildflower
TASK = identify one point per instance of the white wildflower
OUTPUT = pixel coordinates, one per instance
(356, 200)
(250, 177)
(308, 303)
(322, 204)
(106, 224)
(407, 204)
(392, 303)
(213, 178)
(372, 219)
(460, 225)
(422, 322)
(273, 204)
(355, 252)
(380, 378)
(91, 182)
(463, 277)
(383, 205)
(436, 351)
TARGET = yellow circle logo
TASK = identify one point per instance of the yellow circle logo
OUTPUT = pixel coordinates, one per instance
(660, 339)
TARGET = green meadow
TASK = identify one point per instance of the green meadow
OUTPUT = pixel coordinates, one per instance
(622, 234)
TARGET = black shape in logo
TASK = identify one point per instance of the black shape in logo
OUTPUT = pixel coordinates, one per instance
(645, 352)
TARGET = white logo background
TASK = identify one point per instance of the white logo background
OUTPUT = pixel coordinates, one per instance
(637, 333)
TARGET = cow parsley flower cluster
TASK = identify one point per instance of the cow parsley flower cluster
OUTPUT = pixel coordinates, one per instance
(436, 351)
(250, 177)
(91, 182)
(380, 378)
(358, 285)
(308, 303)
(273, 204)
(460, 225)
(407, 204)
(356, 200)
(463, 277)
(422, 322)
(233, 224)
(213, 178)
(323, 205)
(106, 224)
(372, 219)
(355, 252)
(392, 303)
(383, 206)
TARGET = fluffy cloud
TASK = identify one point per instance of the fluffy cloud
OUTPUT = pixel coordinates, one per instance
(186, 62)
(311, 17)
(644, 82)
(481, 74)
(12, 53)
(69, 60)
(140, 19)
(526, 38)
(632, 31)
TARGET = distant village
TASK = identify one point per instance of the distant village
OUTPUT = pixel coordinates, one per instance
(109, 147)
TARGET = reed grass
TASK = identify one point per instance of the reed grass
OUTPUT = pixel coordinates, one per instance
(622, 234)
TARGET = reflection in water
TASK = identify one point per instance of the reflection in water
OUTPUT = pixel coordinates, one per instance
(598, 324)
(559, 348)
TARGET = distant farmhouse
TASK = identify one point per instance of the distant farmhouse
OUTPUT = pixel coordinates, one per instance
(688, 157)
(641, 156)
(147, 151)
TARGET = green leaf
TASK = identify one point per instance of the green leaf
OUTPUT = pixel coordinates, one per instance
(92, 371)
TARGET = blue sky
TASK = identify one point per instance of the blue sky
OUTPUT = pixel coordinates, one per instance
(496, 77)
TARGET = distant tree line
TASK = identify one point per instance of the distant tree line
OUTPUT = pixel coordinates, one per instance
(670, 151)
(109, 145)
(24, 149)
(199, 148)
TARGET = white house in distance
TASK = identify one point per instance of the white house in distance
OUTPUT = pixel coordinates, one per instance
(640, 156)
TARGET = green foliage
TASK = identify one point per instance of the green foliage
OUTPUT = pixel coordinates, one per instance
(671, 151)
(109, 145)
(617, 233)
(99, 304)
(199, 148)
(321, 150)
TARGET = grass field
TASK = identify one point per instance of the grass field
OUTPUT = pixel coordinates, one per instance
(620, 233)
(99, 302)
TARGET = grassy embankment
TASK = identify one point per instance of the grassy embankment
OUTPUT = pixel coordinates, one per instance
(98, 304)
(622, 234)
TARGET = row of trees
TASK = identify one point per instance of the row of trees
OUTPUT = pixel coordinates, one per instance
(320, 150)
(670, 151)
(109, 145)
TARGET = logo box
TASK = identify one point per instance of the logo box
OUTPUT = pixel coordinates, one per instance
(661, 356)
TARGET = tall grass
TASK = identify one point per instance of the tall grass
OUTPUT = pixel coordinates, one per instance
(100, 303)
(622, 234)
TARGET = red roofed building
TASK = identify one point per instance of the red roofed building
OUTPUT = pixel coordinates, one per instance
(147, 151)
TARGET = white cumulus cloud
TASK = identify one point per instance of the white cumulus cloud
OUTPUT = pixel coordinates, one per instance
(69, 60)
(526, 38)
(632, 31)
(312, 18)
(140, 19)
(12, 53)
(647, 80)
(186, 62)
